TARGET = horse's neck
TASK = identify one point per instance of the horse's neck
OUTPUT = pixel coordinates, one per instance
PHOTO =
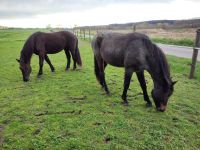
(160, 78)
(26, 56)
(159, 68)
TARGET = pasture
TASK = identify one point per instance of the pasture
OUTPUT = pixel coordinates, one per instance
(69, 110)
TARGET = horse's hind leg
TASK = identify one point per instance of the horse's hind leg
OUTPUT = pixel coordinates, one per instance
(127, 79)
(49, 62)
(41, 62)
(102, 66)
(68, 59)
(141, 79)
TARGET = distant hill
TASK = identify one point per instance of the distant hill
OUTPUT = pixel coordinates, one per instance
(191, 23)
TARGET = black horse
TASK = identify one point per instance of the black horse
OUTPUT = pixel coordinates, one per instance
(136, 53)
(42, 44)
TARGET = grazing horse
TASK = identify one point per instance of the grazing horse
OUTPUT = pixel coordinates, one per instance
(42, 44)
(136, 53)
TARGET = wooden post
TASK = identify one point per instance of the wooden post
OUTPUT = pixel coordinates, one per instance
(195, 54)
(84, 34)
(78, 33)
(89, 34)
(134, 27)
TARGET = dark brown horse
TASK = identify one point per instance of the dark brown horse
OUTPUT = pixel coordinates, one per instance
(42, 44)
(136, 53)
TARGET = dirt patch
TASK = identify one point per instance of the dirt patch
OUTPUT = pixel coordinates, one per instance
(58, 113)
(36, 132)
(78, 98)
(97, 123)
(107, 139)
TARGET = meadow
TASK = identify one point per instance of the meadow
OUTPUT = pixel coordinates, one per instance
(69, 110)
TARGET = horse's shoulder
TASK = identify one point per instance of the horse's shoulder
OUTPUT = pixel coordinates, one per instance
(137, 35)
(36, 35)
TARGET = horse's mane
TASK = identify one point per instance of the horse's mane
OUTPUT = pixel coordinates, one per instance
(27, 49)
(160, 58)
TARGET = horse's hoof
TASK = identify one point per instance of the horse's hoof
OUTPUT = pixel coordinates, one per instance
(39, 76)
(108, 93)
(125, 103)
(148, 105)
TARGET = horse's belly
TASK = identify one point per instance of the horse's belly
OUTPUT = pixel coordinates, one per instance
(113, 59)
(53, 49)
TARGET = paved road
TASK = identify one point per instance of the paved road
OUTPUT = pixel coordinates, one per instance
(179, 51)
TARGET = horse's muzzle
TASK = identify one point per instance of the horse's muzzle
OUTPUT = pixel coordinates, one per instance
(162, 108)
(26, 79)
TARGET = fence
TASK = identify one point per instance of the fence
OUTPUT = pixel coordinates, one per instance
(87, 34)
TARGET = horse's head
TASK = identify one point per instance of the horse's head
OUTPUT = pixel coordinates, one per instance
(161, 96)
(25, 69)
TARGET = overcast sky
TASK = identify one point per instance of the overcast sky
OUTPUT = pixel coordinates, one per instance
(68, 13)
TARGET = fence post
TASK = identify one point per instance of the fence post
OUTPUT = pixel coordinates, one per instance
(81, 33)
(134, 28)
(89, 34)
(195, 54)
(84, 33)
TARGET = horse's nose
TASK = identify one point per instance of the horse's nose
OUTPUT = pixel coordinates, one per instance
(26, 79)
(162, 108)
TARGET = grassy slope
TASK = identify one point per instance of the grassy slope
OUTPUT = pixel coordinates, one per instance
(68, 110)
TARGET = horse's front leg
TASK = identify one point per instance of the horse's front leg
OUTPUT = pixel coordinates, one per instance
(141, 79)
(41, 62)
(127, 79)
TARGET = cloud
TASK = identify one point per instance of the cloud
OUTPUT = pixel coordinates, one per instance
(30, 8)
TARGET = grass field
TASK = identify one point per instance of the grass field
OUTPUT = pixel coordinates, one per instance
(69, 110)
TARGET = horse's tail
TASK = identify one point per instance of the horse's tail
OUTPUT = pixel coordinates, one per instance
(96, 69)
(96, 44)
(77, 55)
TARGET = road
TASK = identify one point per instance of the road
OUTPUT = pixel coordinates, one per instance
(179, 51)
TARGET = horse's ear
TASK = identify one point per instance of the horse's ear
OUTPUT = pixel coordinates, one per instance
(174, 82)
(17, 60)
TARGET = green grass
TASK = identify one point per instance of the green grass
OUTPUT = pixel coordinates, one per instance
(180, 42)
(69, 110)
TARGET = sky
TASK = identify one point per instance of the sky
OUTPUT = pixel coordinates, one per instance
(71, 13)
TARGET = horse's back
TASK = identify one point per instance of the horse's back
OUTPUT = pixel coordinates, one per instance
(123, 50)
(54, 42)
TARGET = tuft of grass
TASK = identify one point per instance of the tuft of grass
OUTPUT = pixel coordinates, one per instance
(180, 42)
(69, 110)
